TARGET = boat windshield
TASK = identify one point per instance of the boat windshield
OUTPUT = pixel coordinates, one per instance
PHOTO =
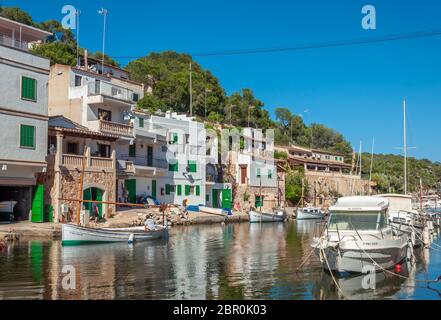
(357, 220)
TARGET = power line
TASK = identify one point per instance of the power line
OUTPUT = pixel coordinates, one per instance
(319, 45)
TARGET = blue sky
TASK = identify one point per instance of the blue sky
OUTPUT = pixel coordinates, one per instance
(357, 90)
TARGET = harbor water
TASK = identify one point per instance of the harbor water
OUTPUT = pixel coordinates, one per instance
(233, 261)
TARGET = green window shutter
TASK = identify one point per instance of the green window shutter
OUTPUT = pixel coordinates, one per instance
(167, 189)
(192, 166)
(28, 88)
(27, 136)
(259, 202)
(258, 172)
(141, 122)
(270, 174)
(132, 150)
(175, 138)
(198, 190)
(179, 189)
(187, 190)
(173, 166)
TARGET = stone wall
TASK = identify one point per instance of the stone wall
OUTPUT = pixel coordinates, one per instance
(68, 181)
(327, 186)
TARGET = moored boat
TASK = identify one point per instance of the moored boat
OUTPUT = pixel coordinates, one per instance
(75, 234)
(309, 213)
(256, 216)
(358, 237)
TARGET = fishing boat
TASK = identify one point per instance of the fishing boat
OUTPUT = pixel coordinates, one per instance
(309, 213)
(257, 216)
(358, 237)
(75, 235)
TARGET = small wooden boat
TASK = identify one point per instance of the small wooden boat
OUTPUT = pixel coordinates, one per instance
(256, 216)
(216, 211)
(309, 213)
(75, 235)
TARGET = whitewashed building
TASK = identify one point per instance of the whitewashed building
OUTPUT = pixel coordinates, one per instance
(23, 117)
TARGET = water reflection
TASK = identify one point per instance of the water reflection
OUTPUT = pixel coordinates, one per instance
(239, 261)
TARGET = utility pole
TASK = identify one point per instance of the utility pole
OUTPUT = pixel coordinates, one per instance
(103, 12)
(191, 94)
(78, 13)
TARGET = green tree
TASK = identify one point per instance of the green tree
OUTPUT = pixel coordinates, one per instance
(16, 14)
(293, 186)
(167, 73)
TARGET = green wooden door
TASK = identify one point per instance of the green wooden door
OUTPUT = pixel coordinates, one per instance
(226, 199)
(99, 197)
(87, 195)
(154, 189)
(149, 156)
(131, 189)
(38, 203)
(215, 198)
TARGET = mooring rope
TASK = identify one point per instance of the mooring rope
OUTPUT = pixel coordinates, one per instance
(330, 271)
(393, 273)
(430, 244)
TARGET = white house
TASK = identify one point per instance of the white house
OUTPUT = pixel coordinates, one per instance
(23, 117)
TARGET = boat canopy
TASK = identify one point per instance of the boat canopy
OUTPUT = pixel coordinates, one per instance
(360, 203)
(398, 202)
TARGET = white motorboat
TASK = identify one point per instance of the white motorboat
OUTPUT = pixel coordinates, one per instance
(357, 234)
(309, 213)
(7, 206)
(257, 216)
(75, 234)
(403, 218)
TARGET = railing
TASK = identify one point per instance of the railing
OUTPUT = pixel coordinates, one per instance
(144, 161)
(126, 166)
(72, 160)
(8, 41)
(115, 128)
(110, 90)
(98, 162)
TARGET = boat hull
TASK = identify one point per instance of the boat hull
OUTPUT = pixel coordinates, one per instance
(309, 215)
(349, 257)
(265, 217)
(76, 235)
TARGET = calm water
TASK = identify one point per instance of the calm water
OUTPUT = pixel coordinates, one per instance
(238, 261)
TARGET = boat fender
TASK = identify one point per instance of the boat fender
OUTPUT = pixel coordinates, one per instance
(410, 254)
(412, 238)
(131, 238)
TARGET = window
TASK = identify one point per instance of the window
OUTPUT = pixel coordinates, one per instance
(72, 148)
(357, 220)
(132, 150)
(105, 115)
(103, 150)
(258, 172)
(207, 197)
(187, 139)
(28, 89)
(258, 202)
(270, 174)
(135, 97)
(191, 166)
(170, 188)
(173, 166)
(27, 136)
(78, 80)
(173, 138)
(141, 122)
(167, 189)
(192, 190)
(179, 189)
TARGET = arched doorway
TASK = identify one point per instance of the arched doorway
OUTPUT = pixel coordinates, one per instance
(95, 194)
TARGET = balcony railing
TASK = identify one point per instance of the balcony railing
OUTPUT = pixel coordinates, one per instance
(125, 166)
(145, 162)
(8, 41)
(112, 90)
(115, 128)
(73, 160)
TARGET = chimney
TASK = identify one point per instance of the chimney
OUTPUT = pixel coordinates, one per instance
(86, 62)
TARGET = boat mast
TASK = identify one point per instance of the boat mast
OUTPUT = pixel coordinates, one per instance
(405, 146)
(370, 170)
